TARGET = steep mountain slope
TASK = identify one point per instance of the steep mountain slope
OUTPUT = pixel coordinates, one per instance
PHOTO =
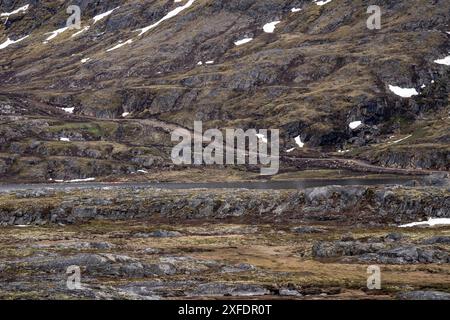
(319, 71)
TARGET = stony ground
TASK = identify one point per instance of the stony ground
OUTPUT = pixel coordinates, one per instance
(70, 108)
(143, 259)
(319, 71)
(147, 243)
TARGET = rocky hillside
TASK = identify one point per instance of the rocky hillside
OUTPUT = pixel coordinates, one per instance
(101, 100)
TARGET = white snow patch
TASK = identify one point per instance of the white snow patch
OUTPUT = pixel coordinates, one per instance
(270, 27)
(68, 110)
(423, 86)
(290, 150)
(298, 141)
(261, 137)
(85, 60)
(121, 44)
(125, 114)
(73, 181)
(343, 151)
(64, 139)
(444, 61)
(430, 223)
(296, 9)
(355, 124)
(171, 14)
(243, 41)
(9, 42)
(403, 92)
(21, 9)
(322, 2)
(199, 63)
(103, 15)
(81, 31)
(142, 171)
(54, 34)
(209, 62)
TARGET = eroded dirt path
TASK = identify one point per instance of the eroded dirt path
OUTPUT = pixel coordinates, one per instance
(141, 259)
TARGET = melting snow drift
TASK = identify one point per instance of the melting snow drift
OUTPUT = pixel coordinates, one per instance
(68, 110)
(103, 15)
(355, 124)
(119, 45)
(21, 9)
(298, 141)
(81, 31)
(262, 137)
(444, 61)
(54, 34)
(403, 92)
(403, 139)
(322, 2)
(81, 180)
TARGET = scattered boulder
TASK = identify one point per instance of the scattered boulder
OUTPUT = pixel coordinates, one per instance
(289, 293)
(407, 254)
(395, 236)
